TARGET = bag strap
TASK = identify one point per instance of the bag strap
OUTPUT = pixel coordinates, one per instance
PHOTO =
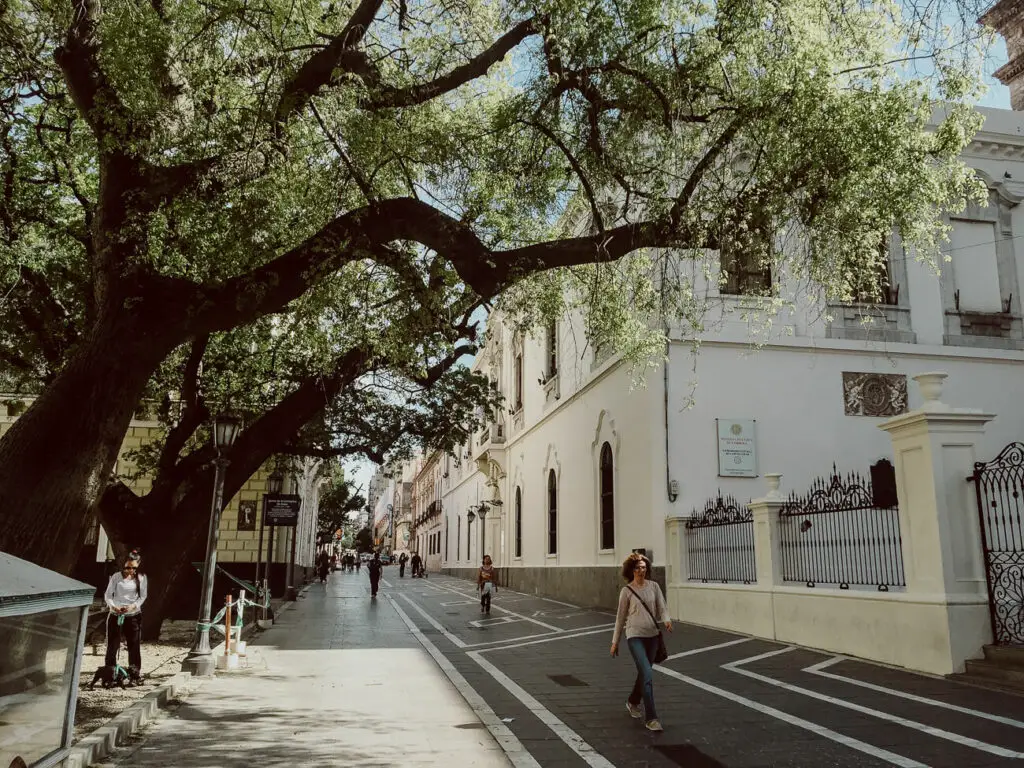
(644, 605)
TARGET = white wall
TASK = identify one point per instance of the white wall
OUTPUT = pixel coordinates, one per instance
(796, 395)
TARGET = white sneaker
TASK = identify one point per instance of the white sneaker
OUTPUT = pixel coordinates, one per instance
(654, 725)
(634, 710)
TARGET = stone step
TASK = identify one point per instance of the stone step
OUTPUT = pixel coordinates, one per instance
(1005, 655)
(988, 674)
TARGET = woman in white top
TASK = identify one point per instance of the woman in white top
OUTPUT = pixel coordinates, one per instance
(125, 595)
(641, 633)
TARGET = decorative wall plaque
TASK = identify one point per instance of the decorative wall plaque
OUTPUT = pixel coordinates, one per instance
(247, 515)
(874, 394)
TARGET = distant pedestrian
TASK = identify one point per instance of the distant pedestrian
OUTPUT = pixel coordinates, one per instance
(416, 564)
(359, 562)
(402, 560)
(485, 584)
(639, 602)
(323, 566)
(374, 567)
(126, 592)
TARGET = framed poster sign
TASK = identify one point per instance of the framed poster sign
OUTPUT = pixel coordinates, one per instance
(737, 447)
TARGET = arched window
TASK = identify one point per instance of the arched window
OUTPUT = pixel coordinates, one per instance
(552, 513)
(607, 498)
(519, 522)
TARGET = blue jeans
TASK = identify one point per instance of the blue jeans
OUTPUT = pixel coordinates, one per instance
(643, 649)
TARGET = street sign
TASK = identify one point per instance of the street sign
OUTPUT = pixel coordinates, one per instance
(282, 509)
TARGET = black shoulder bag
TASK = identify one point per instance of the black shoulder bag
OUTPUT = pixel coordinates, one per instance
(662, 653)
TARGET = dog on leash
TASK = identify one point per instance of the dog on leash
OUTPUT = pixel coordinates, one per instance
(113, 674)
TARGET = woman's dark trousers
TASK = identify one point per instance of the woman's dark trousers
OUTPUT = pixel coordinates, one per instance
(132, 631)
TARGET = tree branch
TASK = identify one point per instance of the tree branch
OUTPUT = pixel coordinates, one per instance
(194, 411)
(88, 86)
(323, 67)
(387, 97)
(359, 233)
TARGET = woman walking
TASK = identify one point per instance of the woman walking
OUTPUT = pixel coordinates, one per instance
(485, 584)
(639, 602)
(126, 592)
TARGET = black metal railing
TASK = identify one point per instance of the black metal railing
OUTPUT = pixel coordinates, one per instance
(720, 542)
(843, 532)
(1000, 492)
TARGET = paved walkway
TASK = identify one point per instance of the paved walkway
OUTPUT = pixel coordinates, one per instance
(341, 680)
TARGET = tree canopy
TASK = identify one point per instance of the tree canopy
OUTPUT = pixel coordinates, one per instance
(177, 169)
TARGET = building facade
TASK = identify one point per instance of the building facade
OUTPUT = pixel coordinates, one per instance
(587, 464)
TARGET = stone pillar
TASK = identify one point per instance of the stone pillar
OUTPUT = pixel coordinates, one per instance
(767, 552)
(935, 449)
(1005, 18)
(677, 569)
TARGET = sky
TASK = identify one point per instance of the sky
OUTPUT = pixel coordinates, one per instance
(997, 97)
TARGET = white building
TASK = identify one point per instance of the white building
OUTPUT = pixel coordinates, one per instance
(585, 468)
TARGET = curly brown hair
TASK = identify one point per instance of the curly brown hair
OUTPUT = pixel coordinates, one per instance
(629, 565)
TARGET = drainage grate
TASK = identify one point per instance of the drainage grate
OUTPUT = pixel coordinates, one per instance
(568, 681)
(688, 755)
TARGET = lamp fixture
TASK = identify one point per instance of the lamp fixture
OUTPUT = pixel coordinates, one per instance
(225, 429)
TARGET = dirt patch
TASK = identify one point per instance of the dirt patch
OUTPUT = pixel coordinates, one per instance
(161, 660)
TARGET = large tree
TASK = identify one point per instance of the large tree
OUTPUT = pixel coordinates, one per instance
(205, 164)
(307, 389)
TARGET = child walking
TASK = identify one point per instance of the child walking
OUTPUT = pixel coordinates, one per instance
(485, 583)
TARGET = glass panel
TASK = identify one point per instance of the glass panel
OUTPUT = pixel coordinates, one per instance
(37, 657)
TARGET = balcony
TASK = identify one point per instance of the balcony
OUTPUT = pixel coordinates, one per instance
(490, 448)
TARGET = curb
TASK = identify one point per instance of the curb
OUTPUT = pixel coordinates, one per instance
(101, 742)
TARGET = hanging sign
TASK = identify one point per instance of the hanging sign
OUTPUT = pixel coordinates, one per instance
(737, 449)
(282, 509)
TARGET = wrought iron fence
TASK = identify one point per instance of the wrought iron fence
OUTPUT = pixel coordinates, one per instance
(843, 532)
(1000, 491)
(720, 542)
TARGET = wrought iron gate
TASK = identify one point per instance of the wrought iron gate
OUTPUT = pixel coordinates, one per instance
(1000, 488)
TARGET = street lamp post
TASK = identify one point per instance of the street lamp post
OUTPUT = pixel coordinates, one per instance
(200, 661)
(274, 483)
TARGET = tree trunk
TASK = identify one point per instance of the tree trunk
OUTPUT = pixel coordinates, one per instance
(57, 458)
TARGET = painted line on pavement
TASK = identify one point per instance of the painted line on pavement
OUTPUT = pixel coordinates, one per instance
(956, 738)
(386, 583)
(507, 740)
(557, 636)
(561, 636)
(799, 722)
(512, 613)
(436, 625)
(695, 651)
(818, 669)
(572, 739)
(546, 599)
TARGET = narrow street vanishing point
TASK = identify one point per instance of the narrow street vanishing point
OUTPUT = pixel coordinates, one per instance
(418, 677)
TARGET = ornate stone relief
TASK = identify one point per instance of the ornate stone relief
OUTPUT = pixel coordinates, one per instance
(874, 394)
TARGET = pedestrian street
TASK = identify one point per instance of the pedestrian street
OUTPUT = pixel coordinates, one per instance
(543, 668)
(420, 677)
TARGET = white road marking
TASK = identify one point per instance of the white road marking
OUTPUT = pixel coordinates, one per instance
(930, 730)
(430, 619)
(828, 733)
(572, 739)
(818, 669)
(695, 651)
(507, 740)
(560, 636)
(557, 635)
(386, 583)
(497, 607)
